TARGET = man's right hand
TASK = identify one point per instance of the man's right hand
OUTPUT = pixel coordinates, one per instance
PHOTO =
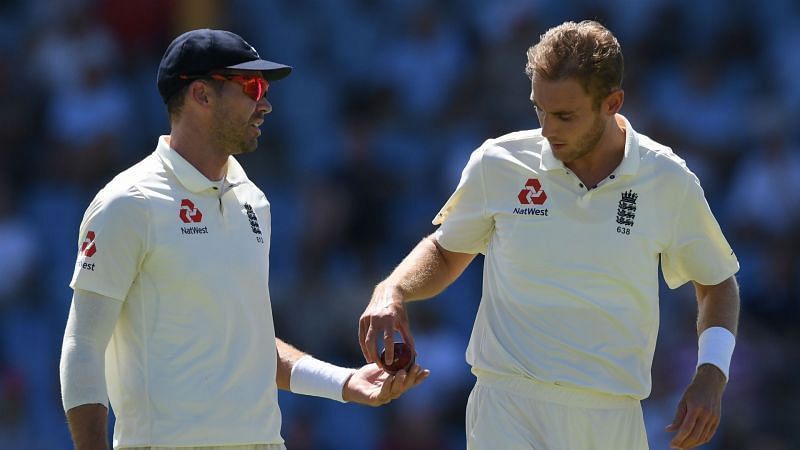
(87, 423)
(385, 313)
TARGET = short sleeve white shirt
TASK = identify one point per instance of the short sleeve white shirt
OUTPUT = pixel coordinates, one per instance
(192, 360)
(570, 291)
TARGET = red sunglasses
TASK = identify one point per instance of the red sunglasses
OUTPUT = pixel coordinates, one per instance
(254, 86)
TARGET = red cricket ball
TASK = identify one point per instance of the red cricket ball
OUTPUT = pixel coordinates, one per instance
(403, 358)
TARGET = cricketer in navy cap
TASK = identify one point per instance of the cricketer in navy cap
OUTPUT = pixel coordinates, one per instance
(199, 52)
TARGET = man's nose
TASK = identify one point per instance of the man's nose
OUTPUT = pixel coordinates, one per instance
(264, 105)
(547, 127)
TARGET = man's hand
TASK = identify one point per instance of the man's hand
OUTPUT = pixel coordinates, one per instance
(384, 314)
(87, 423)
(699, 410)
(371, 385)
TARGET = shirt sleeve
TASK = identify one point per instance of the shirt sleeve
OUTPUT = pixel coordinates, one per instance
(698, 251)
(466, 226)
(111, 243)
(91, 322)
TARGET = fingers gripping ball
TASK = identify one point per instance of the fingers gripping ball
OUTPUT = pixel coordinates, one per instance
(403, 358)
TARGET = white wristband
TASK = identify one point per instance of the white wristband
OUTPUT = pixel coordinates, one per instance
(311, 376)
(715, 346)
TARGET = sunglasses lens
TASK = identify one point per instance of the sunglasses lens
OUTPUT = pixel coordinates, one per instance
(252, 89)
(255, 88)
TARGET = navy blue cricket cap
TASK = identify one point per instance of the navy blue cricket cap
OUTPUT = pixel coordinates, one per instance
(199, 52)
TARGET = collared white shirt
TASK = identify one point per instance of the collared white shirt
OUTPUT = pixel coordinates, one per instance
(192, 360)
(570, 291)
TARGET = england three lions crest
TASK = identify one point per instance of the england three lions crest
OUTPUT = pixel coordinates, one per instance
(626, 208)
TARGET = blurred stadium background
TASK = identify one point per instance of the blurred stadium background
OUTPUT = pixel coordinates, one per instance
(366, 141)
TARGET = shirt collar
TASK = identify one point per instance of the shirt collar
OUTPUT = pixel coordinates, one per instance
(630, 160)
(189, 176)
(549, 161)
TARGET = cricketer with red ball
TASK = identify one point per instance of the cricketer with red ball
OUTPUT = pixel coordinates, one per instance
(171, 317)
(574, 219)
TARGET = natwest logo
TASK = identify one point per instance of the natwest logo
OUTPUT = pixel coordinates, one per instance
(88, 248)
(189, 213)
(532, 193)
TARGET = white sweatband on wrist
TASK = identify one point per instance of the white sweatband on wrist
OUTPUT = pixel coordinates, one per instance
(715, 346)
(311, 376)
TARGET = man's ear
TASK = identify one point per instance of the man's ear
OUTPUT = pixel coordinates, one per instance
(198, 91)
(613, 102)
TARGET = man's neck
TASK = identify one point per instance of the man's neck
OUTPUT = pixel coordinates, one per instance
(195, 148)
(595, 166)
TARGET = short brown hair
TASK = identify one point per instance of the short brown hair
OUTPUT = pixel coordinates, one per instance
(176, 100)
(587, 51)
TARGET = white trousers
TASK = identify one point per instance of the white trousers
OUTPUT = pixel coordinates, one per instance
(514, 413)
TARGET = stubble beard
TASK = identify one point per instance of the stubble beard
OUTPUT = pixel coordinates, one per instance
(587, 142)
(232, 137)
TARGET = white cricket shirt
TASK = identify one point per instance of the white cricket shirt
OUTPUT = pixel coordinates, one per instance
(192, 360)
(570, 284)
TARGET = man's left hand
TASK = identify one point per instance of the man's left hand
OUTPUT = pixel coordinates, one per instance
(699, 410)
(371, 385)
